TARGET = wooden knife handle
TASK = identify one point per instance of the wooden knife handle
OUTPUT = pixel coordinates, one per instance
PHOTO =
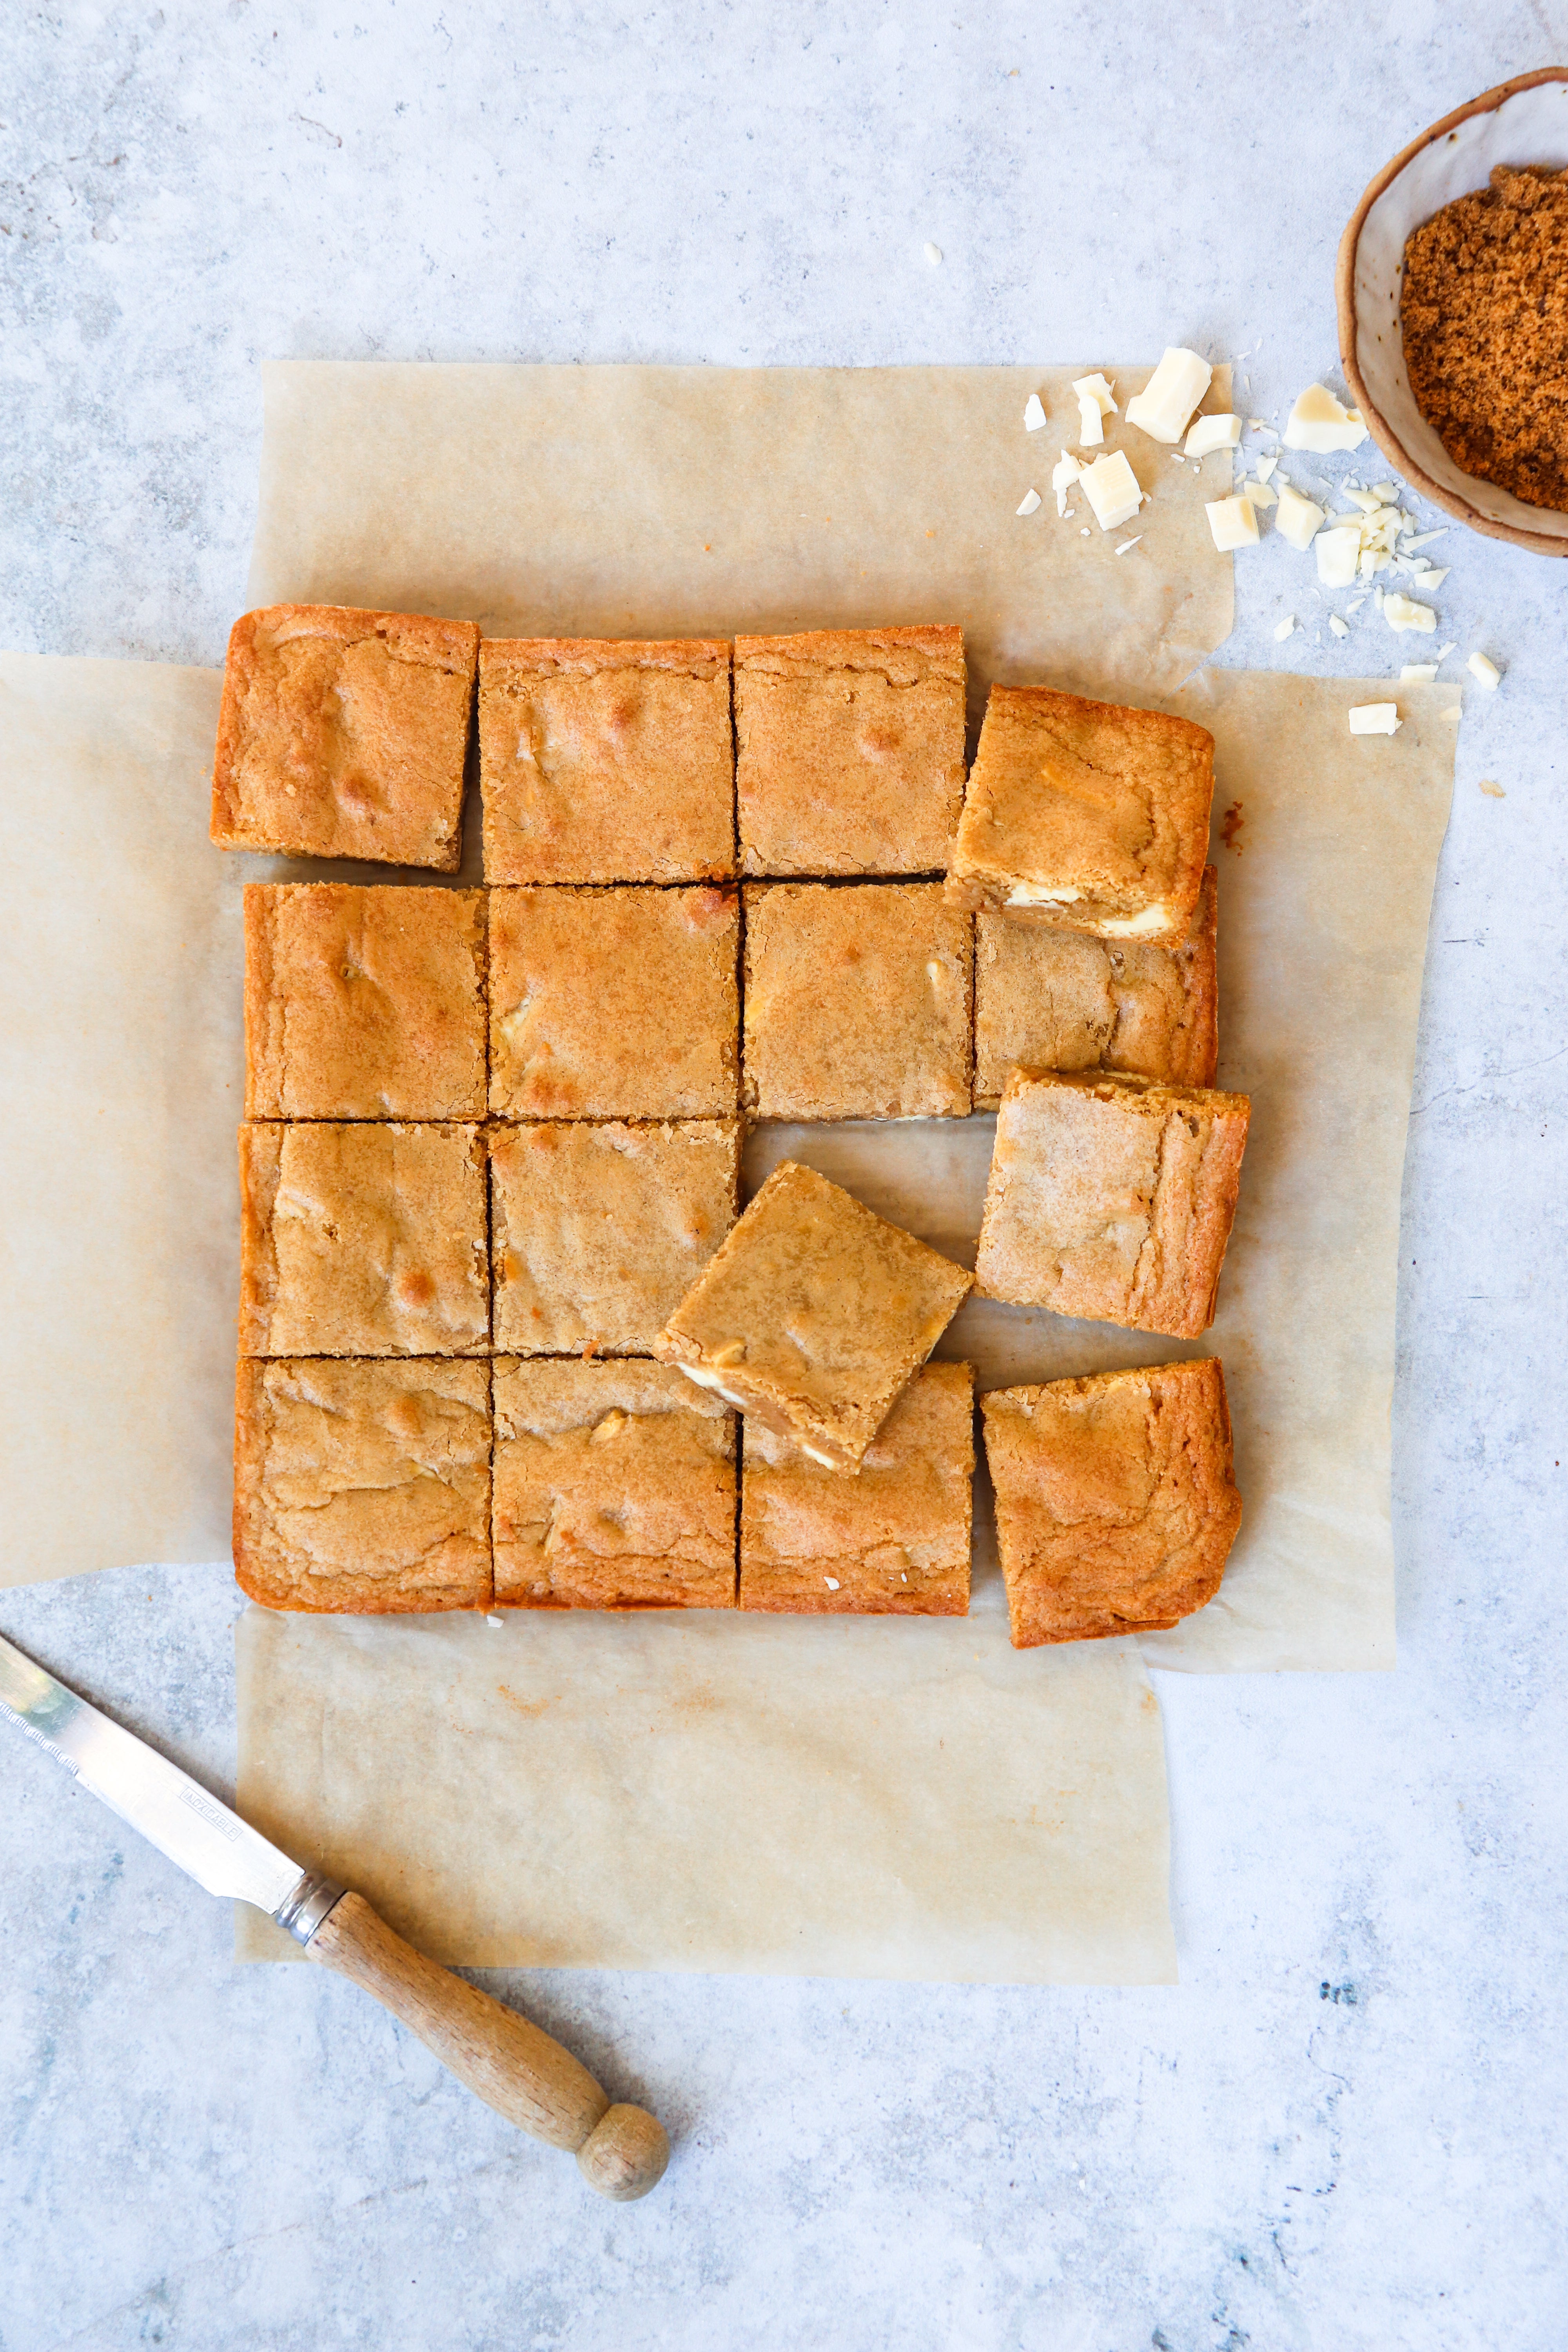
(514, 2066)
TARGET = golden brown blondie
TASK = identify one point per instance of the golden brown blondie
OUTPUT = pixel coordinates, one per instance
(363, 1003)
(363, 1487)
(607, 761)
(1111, 1198)
(614, 1489)
(599, 1230)
(364, 1239)
(1053, 1000)
(1085, 816)
(344, 734)
(857, 1002)
(620, 1003)
(814, 1314)
(1116, 1504)
(849, 750)
(892, 1541)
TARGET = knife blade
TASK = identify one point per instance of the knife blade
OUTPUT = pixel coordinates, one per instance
(512, 2064)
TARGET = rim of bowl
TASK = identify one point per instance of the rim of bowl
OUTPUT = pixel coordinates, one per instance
(1382, 432)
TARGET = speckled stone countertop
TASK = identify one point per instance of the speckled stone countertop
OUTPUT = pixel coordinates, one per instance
(1343, 2129)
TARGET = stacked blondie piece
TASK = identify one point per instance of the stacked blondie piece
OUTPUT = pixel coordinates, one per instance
(502, 1325)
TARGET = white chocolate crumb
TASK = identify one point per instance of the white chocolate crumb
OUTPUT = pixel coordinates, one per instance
(1402, 613)
(1129, 542)
(1485, 671)
(1034, 414)
(495, 1624)
(831, 1583)
(934, 254)
(1028, 504)
(1063, 477)
(1285, 628)
(1340, 628)
(1493, 792)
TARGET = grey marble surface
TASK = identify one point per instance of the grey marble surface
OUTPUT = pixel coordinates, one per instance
(1344, 2127)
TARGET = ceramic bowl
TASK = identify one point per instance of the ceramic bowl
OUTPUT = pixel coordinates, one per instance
(1522, 122)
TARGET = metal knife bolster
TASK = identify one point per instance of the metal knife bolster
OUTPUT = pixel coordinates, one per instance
(303, 1911)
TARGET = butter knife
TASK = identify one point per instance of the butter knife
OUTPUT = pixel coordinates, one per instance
(513, 2065)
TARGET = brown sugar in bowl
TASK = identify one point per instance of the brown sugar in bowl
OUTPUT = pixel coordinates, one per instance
(1521, 121)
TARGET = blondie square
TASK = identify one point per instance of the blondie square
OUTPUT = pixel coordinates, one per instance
(344, 734)
(598, 1230)
(814, 1314)
(1061, 1000)
(1116, 1505)
(1085, 816)
(363, 1003)
(857, 1002)
(363, 1487)
(371, 1239)
(894, 1540)
(606, 762)
(849, 750)
(1111, 1198)
(614, 1489)
(619, 1004)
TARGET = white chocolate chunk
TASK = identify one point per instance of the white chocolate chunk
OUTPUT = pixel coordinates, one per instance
(1299, 519)
(1234, 522)
(1155, 916)
(934, 254)
(1096, 388)
(1339, 551)
(1037, 894)
(1375, 719)
(1318, 422)
(1422, 672)
(1266, 469)
(1402, 613)
(1285, 628)
(1111, 489)
(1340, 628)
(1488, 672)
(1029, 503)
(1259, 493)
(1034, 414)
(1091, 423)
(1165, 407)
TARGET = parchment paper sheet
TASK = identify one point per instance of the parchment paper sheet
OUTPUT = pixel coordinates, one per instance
(697, 1791)
(120, 1089)
(649, 501)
